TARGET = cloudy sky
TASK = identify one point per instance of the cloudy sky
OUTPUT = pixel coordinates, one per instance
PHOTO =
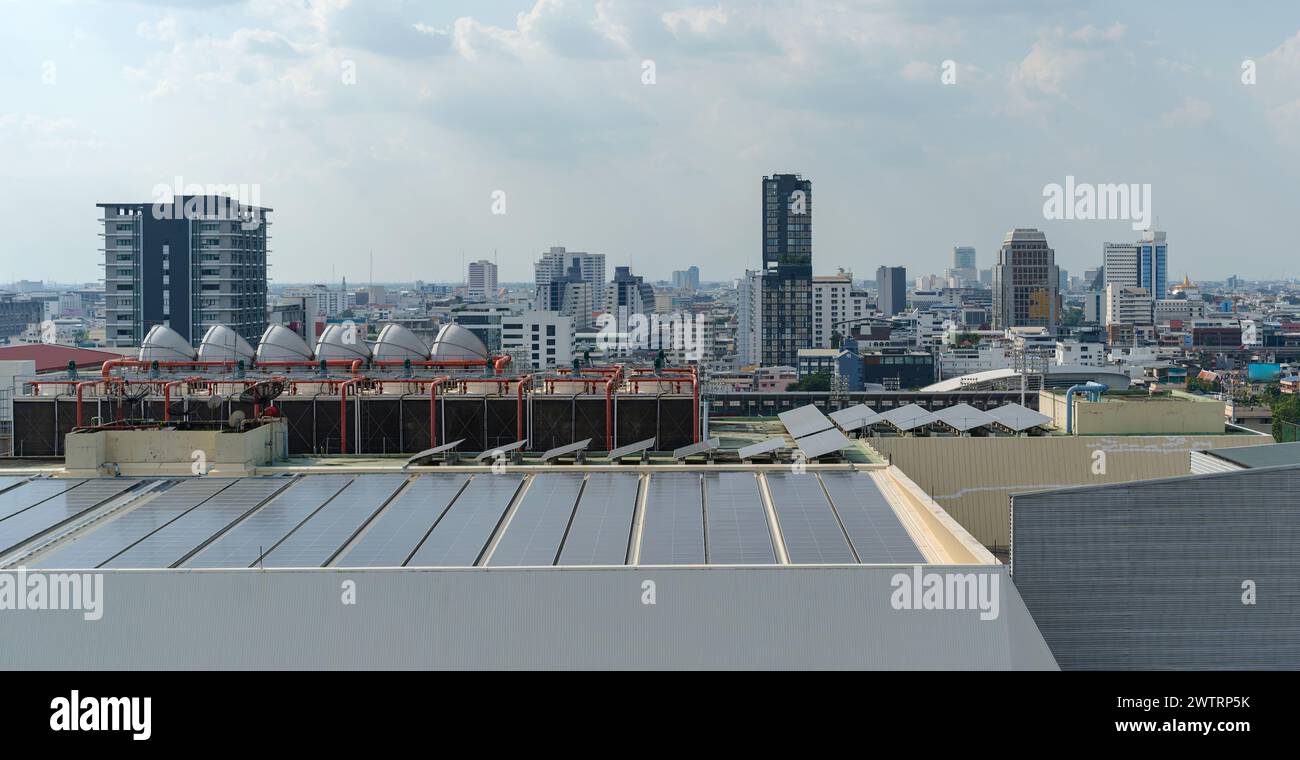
(387, 126)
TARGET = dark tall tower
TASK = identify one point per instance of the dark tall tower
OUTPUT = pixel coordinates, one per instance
(190, 264)
(787, 268)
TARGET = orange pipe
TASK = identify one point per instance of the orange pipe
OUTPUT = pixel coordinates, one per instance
(519, 406)
(433, 409)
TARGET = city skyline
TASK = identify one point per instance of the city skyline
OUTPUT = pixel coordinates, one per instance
(903, 162)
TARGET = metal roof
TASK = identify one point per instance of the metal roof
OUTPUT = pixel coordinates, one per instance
(737, 515)
(1267, 455)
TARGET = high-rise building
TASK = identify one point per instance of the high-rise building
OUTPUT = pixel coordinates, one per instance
(571, 295)
(557, 262)
(481, 281)
(787, 268)
(687, 279)
(831, 308)
(1026, 282)
(963, 257)
(545, 337)
(749, 319)
(190, 264)
(1143, 264)
(891, 290)
(628, 295)
(1126, 305)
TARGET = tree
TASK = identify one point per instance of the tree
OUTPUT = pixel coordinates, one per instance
(820, 381)
(1286, 414)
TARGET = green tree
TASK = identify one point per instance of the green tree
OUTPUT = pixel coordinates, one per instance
(820, 381)
(1286, 416)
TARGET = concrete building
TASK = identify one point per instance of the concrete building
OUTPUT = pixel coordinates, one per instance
(1026, 282)
(628, 296)
(188, 265)
(17, 315)
(481, 280)
(1128, 306)
(687, 279)
(558, 262)
(545, 337)
(891, 290)
(786, 229)
(571, 295)
(1143, 264)
(832, 307)
(749, 319)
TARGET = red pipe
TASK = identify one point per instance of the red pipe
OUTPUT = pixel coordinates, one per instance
(343, 414)
(519, 406)
(433, 409)
(609, 412)
(81, 387)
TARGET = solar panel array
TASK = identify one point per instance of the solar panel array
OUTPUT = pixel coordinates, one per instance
(539, 523)
(22, 527)
(459, 538)
(823, 443)
(672, 532)
(736, 520)
(392, 537)
(33, 493)
(811, 532)
(805, 420)
(602, 525)
(871, 524)
(179, 538)
(120, 532)
(316, 541)
(9, 481)
(264, 529)
(457, 519)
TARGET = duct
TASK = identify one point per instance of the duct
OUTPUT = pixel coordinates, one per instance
(1092, 390)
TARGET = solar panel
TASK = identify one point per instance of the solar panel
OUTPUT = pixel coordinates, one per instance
(560, 451)
(391, 538)
(873, 527)
(963, 417)
(905, 417)
(459, 538)
(29, 495)
(118, 533)
(697, 448)
(532, 537)
(492, 453)
(805, 420)
(823, 443)
(264, 529)
(763, 447)
(672, 531)
(855, 417)
(181, 537)
(57, 510)
(631, 448)
(808, 526)
(424, 455)
(735, 520)
(316, 541)
(602, 525)
(9, 481)
(1018, 418)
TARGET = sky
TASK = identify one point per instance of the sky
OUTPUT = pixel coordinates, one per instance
(642, 129)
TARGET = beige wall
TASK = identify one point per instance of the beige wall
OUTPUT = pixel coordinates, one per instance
(1135, 415)
(171, 452)
(973, 478)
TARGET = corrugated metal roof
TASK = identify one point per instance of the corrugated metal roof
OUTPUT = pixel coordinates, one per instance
(51, 357)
